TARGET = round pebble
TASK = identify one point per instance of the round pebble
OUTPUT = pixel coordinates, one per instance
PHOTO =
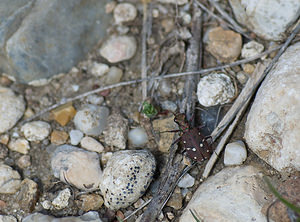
(12, 108)
(251, 49)
(92, 119)
(235, 153)
(77, 167)
(215, 89)
(36, 130)
(91, 144)
(118, 48)
(126, 177)
(24, 161)
(124, 12)
(98, 69)
(114, 75)
(138, 136)
(75, 137)
(10, 180)
(19, 145)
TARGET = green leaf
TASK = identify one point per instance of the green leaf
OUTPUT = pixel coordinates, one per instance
(149, 110)
(119, 219)
(284, 201)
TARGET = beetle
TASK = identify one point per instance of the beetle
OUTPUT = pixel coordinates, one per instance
(194, 142)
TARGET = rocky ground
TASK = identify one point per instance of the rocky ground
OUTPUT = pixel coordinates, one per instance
(99, 157)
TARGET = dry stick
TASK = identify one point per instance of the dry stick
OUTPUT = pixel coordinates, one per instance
(193, 55)
(236, 28)
(245, 95)
(144, 51)
(131, 82)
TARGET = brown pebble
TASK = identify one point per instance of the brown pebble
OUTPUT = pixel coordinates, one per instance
(59, 137)
(24, 161)
(87, 202)
(5, 81)
(4, 138)
(120, 214)
(63, 114)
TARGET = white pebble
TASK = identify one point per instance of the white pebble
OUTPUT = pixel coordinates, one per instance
(77, 167)
(215, 89)
(10, 180)
(242, 77)
(118, 48)
(46, 204)
(114, 75)
(186, 181)
(92, 119)
(36, 130)
(62, 199)
(75, 88)
(12, 108)
(95, 99)
(75, 136)
(235, 153)
(124, 12)
(138, 136)
(251, 49)
(20, 145)
(98, 69)
(91, 144)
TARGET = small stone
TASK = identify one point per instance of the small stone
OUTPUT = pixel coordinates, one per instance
(9, 180)
(27, 196)
(12, 108)
(120, 215)
(77, 167)
(91, 144)
(8, 218)
(170, 215)
(87, 202)
(168, 105)
(24, 161)
(235, 153)
(95, 99)
(75, 137)
(138, 137)
(248, 68)
(36, 130)
(19, 145)
(155, 13)
(59, 137)
(118, 48)
(175, 200)
(242, 77)
(126, 177)
(166, 138)
(117, 131)
(139, 203)
(98, 69)
(186, 181)
(91, 216)
(225, 45)
(63, 114)
(28, 113)
(3, 151)
(62, 199)
(46, 204)
(91, 119)
(75, 88)
(251, 49)
(124, 12)
(4, 138)
(214, 89)
(168, 24)
(114, 75)
(175, 2)
(105, 157)
(186, 17)
(165, 88)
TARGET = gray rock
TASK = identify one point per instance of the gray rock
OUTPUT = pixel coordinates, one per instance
(92, 119)
(41, 38)
(186, 181)
(12, 108)
(235, 153)
(9, 180)
(77, 167)
(272, 130)
(169, 105)
(91, 216)
(7, 218)
(75, 137)
(234, 194)
(267, 18)
(126, 177)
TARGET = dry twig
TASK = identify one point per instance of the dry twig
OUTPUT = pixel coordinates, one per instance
(144, 50)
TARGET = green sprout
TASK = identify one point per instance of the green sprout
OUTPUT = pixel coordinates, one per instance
(149, 110)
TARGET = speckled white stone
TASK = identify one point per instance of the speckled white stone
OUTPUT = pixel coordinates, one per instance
(10, 180)
(126, 177)
(272, 128)
(77, 167)
(138, 136)
(251, 49)
(36, 130)
(12, 108)
(62, 199)
(235, 153)
(124, 12)
(118, 48)
(91, 119)
(214, 89)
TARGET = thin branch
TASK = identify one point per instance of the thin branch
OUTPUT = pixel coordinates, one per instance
(131, 82)
(144, 51)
